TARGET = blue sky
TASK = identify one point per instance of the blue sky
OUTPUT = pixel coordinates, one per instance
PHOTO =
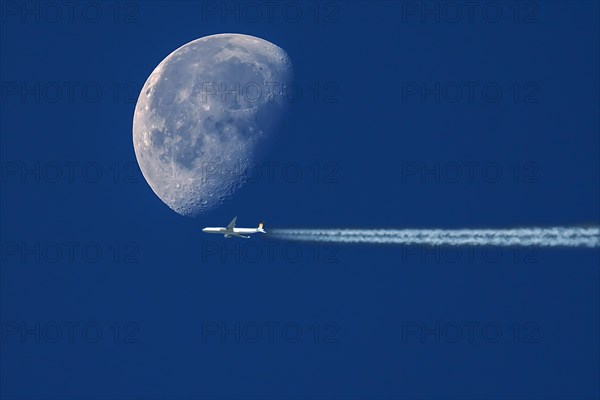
(419, 115)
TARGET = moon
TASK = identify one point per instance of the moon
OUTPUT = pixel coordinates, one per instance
(204, 113)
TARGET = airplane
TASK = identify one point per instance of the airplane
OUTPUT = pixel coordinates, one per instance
(231, 230)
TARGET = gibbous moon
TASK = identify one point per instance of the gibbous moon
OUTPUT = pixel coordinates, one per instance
(202, 115)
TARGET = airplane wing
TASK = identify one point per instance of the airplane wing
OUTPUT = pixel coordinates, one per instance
(231, 224)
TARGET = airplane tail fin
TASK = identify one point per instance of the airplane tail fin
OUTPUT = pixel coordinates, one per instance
(260, 227)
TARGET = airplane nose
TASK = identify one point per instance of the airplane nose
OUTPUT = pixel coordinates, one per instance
(204, 230)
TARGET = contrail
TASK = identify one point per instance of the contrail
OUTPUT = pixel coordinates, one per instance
(543, 237)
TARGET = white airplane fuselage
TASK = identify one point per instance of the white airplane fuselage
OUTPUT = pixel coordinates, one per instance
(231, 230)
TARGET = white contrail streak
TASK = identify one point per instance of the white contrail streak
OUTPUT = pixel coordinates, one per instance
(543, 237)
